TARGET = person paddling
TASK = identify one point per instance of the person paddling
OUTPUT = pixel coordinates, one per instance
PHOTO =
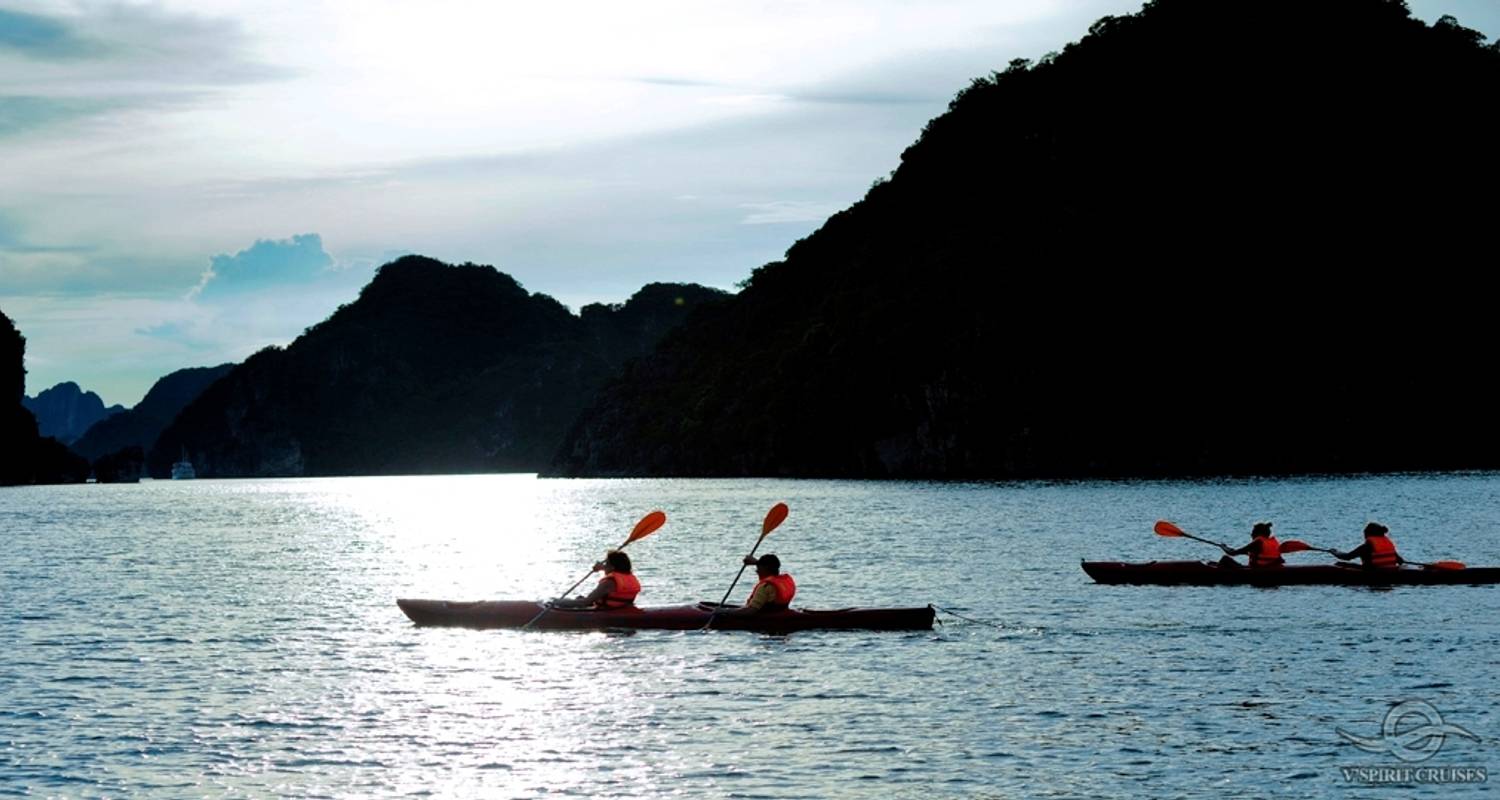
(1378, 551)
(773, 592)
(1264, 550)
(617, 589)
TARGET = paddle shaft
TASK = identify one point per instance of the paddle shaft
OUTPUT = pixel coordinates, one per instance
(1203, 540)
(1301, 546)
(546, 608)
(741, 573)
(1428, 565)
(737, 576)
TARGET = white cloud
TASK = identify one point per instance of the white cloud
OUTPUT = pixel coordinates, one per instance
(783, 211)
(267, 265)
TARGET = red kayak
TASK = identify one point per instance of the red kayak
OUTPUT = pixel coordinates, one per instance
(1208, 573)
(516, 613)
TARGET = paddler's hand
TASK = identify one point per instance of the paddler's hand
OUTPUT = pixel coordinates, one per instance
(1228, 551)
(749, 561)
(599, 566)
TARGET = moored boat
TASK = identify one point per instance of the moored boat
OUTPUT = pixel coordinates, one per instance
(183, 469)
(517, 613)
(1208, 573)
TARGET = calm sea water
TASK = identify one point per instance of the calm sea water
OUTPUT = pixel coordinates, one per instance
(240, 638)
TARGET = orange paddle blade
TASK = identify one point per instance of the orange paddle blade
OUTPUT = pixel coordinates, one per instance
(774, 517)
(647, 525)
(1447, 565)
(1295, 546)
(1164, 528)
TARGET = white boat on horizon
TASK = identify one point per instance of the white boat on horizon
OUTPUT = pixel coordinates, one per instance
(183, 470)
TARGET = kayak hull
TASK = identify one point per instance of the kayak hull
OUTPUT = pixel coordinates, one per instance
(517, 613)
(1208, 573)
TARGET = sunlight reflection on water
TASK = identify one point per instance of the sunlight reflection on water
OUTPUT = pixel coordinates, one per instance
(241, 638)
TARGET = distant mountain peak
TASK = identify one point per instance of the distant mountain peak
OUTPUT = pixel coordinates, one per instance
(434, 368)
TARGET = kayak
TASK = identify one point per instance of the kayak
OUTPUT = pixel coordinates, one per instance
(1208, 573)
(516, 613)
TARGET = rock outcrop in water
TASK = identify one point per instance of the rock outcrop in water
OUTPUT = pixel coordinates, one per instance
(1210, 237)
(435, 368)
(140, 426)
(26, 456)
(124, 466)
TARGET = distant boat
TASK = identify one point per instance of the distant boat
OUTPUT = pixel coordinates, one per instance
(183, 470)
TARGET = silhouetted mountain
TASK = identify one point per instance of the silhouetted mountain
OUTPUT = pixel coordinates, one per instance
(25, 456)
(435, 368)
(1210, 237)
(140, 426)
(65, 411)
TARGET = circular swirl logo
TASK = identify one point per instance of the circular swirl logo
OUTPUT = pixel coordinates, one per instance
(1412, 731)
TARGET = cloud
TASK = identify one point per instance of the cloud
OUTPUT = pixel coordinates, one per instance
(104, 59)
(783, 211)
(13, 241)
(266, 294)
(19, 114)
(41, 37)
(686, 83)
(264, 265)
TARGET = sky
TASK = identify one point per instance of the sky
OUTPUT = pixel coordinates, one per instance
(184, 183)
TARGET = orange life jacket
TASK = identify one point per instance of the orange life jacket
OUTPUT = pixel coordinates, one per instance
(1382, 553)
(627, 586)
(1269, 555)
(786, 589)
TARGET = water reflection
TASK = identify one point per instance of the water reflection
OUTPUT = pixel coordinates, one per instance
(241, 638)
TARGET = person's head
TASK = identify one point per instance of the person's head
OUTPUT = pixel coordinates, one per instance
(1261, 529)
(767, 565)
(1375, 529)
(617, 561)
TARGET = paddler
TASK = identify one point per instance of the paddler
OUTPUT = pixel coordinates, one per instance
(773, 592)
(1264, 550)
(617, 589)
(1378, 551)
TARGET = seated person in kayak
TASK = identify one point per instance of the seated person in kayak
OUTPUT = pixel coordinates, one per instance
(617, 589)
(1263, 549)
(773, 592)
(1378, 551)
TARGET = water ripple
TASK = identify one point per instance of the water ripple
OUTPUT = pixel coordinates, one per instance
(239, 639)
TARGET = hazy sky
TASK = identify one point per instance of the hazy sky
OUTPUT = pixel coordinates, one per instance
(183, 183)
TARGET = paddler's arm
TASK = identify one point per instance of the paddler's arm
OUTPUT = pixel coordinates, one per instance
(758, 599)
(1363, 551)
(595, 597)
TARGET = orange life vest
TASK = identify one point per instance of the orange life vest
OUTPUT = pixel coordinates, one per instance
(1382, 553)
(1269, 555)
(627, 586)
(786, 588)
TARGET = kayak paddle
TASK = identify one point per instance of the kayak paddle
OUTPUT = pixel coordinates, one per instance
(1441, 564)
(774, 517)
(647, 526)
(1297, 546)
(1164, 528)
